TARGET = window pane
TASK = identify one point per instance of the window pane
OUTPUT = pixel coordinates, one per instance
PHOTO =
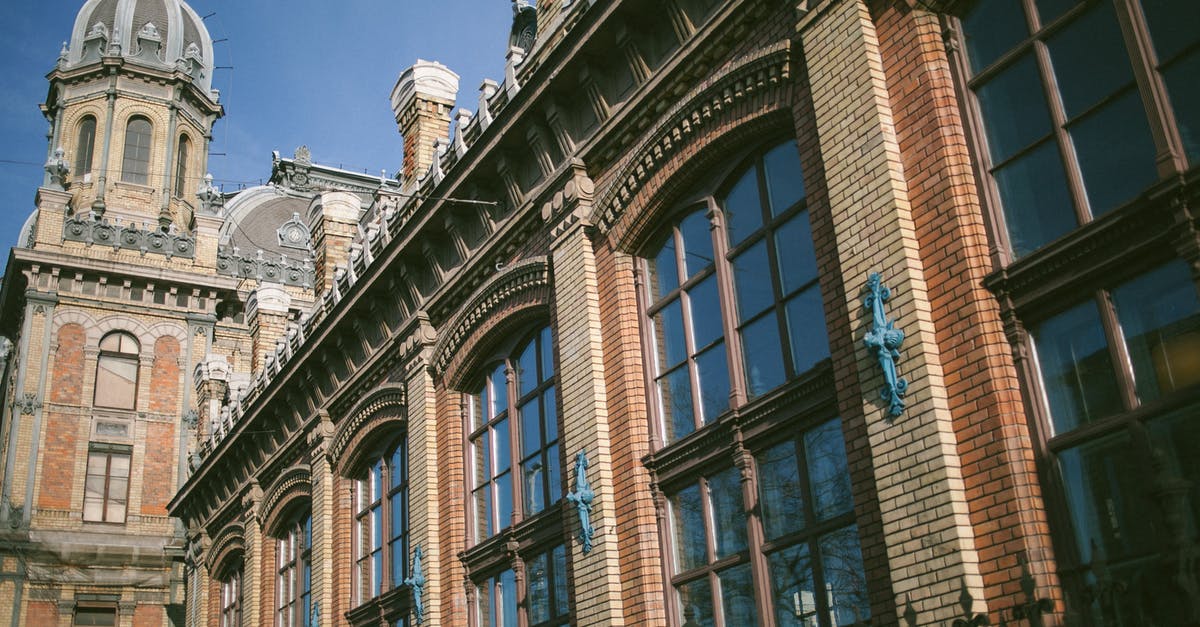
(687, 524)
(531, 427)
(116, 382)
(1185, 95)
(714, 382)
(806, 326)
(97, 464)
(507, 590)
(1115, 176)
(706, 312)
(554, 474)
(502, 449)
(1033, 190)
(538, 592)
(664, 269)
(181, 167)
(484, 604)
(550, 407)
(475, 404)
(1077, 372)
(991, 29)
(697, 242)
(737, 596)
(1107, 498)
(1089, 59)
(135, 164)
(84, 146)
(93, 510)
(1049, 10)
(533, 484)
(1177, 436)
(675, 390)
(780, 495)
(399, 464)
(1172, 25)
(743, 208)
(499, 392)
(841, 563)
(483, 514)
(546, 341)
(504, 500)
(797, 259)
(752, 274)
(483, 459)
(695, 603)
(785, 179)
(668, 327)
(1160, 317)
(115, 512)
(762, 349)
(828, 470)
(561, 602)
(527, 372)
(1014, 109)
(793, 591)
(729, 513)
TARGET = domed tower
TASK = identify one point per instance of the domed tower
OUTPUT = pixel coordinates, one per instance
(132, 110)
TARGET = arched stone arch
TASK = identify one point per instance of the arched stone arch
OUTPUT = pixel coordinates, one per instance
(73, 316)
(228, 547)
(746, 102)
(293, 486)
(510, 300)
(383, 411)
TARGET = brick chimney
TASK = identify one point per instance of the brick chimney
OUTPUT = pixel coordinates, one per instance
(267, 315)
(333, 219)
(422, 101)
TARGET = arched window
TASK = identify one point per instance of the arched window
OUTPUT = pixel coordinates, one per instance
(85, 145)
(293, 572)
(231, 598)
(135, 166)
(181, 163)
(381, 522)
(117, 371)
(755, 258)
(515, 418)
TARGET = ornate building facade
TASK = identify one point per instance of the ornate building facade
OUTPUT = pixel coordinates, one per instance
(713, 312)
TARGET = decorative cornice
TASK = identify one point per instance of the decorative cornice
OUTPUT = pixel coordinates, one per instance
(521, 278)
(391, 396)
(296, 480)
(296, 272)
(765, 69)
(95, 230)
(231, 540)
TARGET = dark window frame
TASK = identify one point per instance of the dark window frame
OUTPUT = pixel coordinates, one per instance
(231, 597)
(85, 146)
(120, 355)
(181, 166)
(109, 452)
(293, 570)
(363, 510)
(138, 139)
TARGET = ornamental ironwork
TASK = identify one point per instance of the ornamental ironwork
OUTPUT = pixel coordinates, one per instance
(98, 230)
(417, 583)
(883, 340)
(582, 497)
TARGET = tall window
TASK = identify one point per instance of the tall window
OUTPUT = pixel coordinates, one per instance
(231, 599)
(293, 581)
(135, 165)
(85, 144)
(1059, 83)
(106, 486)
(513, 415)
(381, 523)
(95, 616)
(808, 548)
(117, 371)
(749, 251)
(1110, 367)
(181, 166)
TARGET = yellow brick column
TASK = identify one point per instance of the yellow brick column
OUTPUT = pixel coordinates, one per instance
(323, 512)
(929, 540)
(424, 525)
(252, 555)
(198, 578)
(597, 575)
(267, 317)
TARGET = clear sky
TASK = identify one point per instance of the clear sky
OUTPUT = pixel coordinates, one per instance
(313, 72)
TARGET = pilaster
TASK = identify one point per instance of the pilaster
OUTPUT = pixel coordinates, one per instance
(323, 513)
(252, 579)
(424, 524)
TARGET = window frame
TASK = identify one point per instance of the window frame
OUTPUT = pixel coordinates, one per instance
(363, 591)
(231, 597)
(106, 355)
(182, 156)
(109, 451)
(293, 570)
(85, 146)
(134, 169)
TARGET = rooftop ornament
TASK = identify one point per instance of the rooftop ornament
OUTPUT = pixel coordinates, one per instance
(582, 497)
(59, 169)
(884, 340)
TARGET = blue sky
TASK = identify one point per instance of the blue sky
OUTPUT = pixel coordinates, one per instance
(313, 72)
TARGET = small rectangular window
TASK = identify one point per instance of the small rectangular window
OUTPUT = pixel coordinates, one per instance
(106, 486)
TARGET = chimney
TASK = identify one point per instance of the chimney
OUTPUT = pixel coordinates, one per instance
(333, 218)
(422, 101)
(267, 315)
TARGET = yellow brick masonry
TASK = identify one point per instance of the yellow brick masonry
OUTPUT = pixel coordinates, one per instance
(323, 512)
(597, 583)
(424, 524)
(252, 585)
(929, 540)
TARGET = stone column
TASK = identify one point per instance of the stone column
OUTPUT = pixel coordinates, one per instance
(927, 532)
(597, 575)
(424, 524)
(323, 513)
(266, 315)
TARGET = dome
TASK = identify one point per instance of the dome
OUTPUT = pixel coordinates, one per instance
(166, 34)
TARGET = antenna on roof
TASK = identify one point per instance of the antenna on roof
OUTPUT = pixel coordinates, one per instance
(209, 15)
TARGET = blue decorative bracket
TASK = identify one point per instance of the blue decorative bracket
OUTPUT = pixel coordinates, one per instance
(884, 340)
(582, 497)
(314, 616)
(417, 583)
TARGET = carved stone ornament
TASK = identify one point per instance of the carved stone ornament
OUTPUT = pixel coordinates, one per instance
(296, 272)
(98, 230)
(883, 340)
(582, 497)
(59, 169)
(294, 234)
(28, 404)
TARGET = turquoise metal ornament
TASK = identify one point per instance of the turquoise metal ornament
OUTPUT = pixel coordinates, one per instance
(884, 340)
(582, 497)
(417, 583)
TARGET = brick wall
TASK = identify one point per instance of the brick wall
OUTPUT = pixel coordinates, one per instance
(451, 472)
(41, 613)
(164, 376)
(158, 468)
(68, 365)
(148, 616)
(58, 461)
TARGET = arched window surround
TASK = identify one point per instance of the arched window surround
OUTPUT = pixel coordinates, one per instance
(85, 146)
(117, 371)
(138, 149)
(182, 158)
